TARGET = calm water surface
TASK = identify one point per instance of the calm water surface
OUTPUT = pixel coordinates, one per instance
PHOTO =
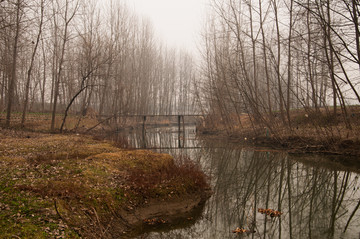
(316, 201)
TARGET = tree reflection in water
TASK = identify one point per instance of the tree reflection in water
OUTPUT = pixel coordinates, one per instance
(316, 201)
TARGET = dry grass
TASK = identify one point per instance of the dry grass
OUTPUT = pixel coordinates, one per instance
(42, 122)
(68, 185)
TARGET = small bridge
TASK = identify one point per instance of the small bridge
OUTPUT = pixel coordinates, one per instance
(144, 117)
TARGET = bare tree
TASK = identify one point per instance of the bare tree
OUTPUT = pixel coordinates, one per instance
(36, 44)
(67, 18)
(12, 81)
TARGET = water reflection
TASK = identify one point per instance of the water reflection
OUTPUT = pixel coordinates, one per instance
(316, 202)
(159, 137)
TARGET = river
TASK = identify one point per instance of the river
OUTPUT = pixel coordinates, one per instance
(317, 200)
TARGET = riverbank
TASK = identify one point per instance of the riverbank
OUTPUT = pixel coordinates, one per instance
(309, 133)
(301, 145)
(69, 186)
(292, 144)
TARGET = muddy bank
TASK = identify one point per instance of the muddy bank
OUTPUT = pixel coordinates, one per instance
(297, 145)
(70, 186)
(158, 215)
(343, 152)
(292, 144)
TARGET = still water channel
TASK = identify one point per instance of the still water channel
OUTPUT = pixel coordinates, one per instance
(316, 201)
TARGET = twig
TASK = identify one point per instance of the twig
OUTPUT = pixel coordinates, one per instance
(351, 216)
(57, 211)
(100, 123)
(103, 231)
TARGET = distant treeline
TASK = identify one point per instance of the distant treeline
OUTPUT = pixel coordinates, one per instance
(79, 54)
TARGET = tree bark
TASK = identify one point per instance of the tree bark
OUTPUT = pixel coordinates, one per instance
(31, 66)
(12, 82)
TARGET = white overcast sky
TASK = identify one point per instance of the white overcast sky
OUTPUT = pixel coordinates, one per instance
(178, 22)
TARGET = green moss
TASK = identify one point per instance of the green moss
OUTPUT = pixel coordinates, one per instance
(28, 216)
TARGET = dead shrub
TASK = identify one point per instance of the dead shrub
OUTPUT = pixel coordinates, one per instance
(121, 142)
(184, 176)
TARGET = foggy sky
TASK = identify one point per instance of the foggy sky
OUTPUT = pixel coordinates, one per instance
(177, 22)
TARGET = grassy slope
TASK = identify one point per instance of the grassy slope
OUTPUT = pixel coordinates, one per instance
(69, 185)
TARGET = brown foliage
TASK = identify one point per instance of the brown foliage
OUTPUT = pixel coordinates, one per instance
(184, 176)
(270, 212)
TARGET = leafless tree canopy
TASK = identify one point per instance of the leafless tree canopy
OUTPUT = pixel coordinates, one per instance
(264, 58)
(269, 57)
(71, 55)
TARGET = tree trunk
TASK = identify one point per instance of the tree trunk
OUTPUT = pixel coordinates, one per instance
(12, 79)
(281, 96)
(31, 66)
(60, 66)
(289, 73)
(265, 62)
